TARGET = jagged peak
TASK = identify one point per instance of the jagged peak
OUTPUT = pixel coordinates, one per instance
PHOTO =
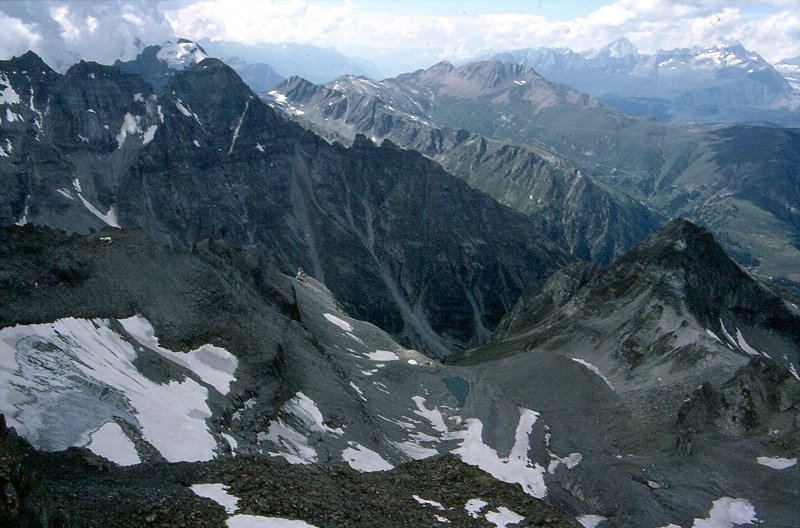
(678, 241)
(622, 47)
(27, 61)
(93, 68)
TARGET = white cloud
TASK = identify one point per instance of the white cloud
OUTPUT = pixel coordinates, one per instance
(650, 24)
(16, 37)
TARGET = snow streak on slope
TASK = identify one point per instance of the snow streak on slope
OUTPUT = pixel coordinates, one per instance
(214, 365)
(62, 382)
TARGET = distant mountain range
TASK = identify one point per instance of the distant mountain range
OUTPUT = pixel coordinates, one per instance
(720, 84)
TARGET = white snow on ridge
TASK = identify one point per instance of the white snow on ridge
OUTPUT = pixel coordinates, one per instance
(776, 462)
(111, 442)
(595, 370)
(364, 460)
(219, 494)
(726, 513)
(341, 323)
(212, 364)
(37, 390)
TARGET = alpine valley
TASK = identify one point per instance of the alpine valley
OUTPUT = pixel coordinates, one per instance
(463, 296)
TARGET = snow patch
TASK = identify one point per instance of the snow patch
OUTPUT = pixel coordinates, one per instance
(185, 111)
(503, 517)
(414, 451)
(793, 371)
(434, 416)
(65, 193)
(111, 442)
(358, 390)
(595, 370)
(181, 55)
(257, 521)
(39, 392)
(590, 521)
(516, 468)
(212, 364)
(744, 345)
(726, 513)
(149, 134)
(474, 507)
(234, 445)
(304, 409)
(426, 502)
(7, 94)
(364, 460)
(777, 462)
(341, 323)
(382, 355)
(109, 218)
(219, 494)
(130, 125)
(238, 126)
(571, 460)
(294, 444)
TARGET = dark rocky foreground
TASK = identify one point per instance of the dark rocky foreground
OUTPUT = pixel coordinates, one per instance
(75, 488)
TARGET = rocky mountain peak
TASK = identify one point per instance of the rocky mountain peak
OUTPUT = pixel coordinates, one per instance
(181, 55)
(677, 242)
(28, 61)
(621, 47)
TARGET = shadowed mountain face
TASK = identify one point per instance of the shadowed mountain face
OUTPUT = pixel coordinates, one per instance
(400, 241)
(588, 219)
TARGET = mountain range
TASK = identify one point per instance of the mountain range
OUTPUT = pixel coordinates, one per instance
(550, 151)
(447, 298)
(720, 84)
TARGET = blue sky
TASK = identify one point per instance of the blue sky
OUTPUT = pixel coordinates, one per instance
(396, 35)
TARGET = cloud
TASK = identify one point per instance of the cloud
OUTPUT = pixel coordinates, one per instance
(16, 36)
(63, 32)
(650, 24)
